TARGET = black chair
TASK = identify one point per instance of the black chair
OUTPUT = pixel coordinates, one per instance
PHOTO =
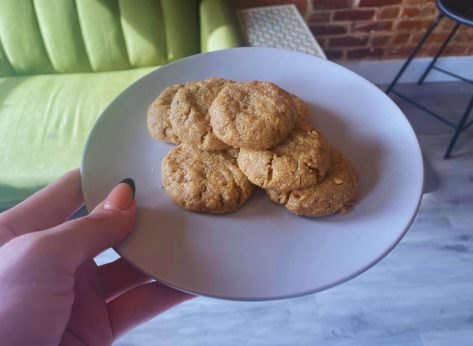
(461, 11)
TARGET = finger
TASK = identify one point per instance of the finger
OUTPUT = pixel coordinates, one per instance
(141, 304)
(47, 208)
(118, 277)
(80, 239)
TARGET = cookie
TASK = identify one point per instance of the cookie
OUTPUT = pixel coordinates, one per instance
(302, 113)
(336, 193)
(190, 113)
(159, 125)
(204, 181)
(302, 160)
(233, 152)
(253, 115)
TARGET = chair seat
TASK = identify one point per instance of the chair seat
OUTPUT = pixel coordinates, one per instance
(44, 123)
(459, 10)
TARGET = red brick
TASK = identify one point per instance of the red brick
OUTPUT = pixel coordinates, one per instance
(408, 12)
(323, 30)
(427, 50)
(414, 25)
(456, 49)
(429, 10)
(401, 39)
(365, 53)
(430, 49)
(446, 24)
(400, 52)
(469, 50)
(333, 53)
(463, 35)
(416, 37)
(420, 1)
(418, 12)
(353, 15)
(348, 41)
(331, 4)
(388, 12)
(438, 37)
(376, 3)
(377, 41)
(320, 17)
(373, 26)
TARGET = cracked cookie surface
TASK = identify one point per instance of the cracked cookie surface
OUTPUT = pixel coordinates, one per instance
(204, 181)
(159, 124)
(252, 115)
(335, 194)
(302, 160)
(189, 113)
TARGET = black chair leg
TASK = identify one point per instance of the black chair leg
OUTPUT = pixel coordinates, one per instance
(459, 129)
(414, 53)
(440, 51)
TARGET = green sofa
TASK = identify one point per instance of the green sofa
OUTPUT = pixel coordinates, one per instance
(63, 61)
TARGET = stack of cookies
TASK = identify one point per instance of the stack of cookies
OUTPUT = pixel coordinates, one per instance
(232, 136)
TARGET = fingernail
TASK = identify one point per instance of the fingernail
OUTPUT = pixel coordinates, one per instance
(122, 195)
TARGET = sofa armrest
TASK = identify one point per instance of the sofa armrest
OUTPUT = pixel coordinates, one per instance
(219, 27)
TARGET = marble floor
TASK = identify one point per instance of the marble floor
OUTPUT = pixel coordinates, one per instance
(420, 294)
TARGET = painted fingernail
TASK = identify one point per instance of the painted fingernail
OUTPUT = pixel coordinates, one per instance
(122, 195)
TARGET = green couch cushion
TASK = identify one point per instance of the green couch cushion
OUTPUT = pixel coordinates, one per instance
(181, 19)
(102, 33)
(21, 38)
(44, 123)
(144, 32)
(61, 33)
(218, 26)
(69, 36)
(5, 67)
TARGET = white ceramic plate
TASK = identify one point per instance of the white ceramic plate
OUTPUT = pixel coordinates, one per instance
(262, 251)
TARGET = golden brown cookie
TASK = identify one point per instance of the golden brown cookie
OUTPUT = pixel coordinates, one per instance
(302, 113)
(233, 152)
(159, 125)
(300, 161)
(205, 181)
(190, 113)
(336, 193)
(252, 115)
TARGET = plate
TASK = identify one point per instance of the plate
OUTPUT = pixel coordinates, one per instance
(262, 252)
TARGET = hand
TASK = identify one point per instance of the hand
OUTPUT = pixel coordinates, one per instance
(51, 290)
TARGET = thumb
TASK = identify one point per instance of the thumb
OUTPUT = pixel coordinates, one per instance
(110, 222)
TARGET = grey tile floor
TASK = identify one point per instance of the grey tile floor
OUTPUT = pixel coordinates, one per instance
(420, 294)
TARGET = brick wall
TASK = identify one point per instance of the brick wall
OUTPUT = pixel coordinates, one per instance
(374, 29)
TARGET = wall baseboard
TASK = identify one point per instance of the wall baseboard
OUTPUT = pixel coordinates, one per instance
(383, 71)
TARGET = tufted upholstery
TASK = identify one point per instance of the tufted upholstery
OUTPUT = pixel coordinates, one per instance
(64, 36)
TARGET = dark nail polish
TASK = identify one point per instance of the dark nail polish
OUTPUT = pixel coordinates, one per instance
(131, 183)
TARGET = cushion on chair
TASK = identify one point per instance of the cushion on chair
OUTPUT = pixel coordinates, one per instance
(218, 28)
(44, 123)
(44, 36)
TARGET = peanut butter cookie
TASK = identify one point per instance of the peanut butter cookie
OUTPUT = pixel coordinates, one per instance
(204, 181)
(302, 113)
(335, 194)
(253, 115)
(190, 113)
(159, 125)
(302, 160)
